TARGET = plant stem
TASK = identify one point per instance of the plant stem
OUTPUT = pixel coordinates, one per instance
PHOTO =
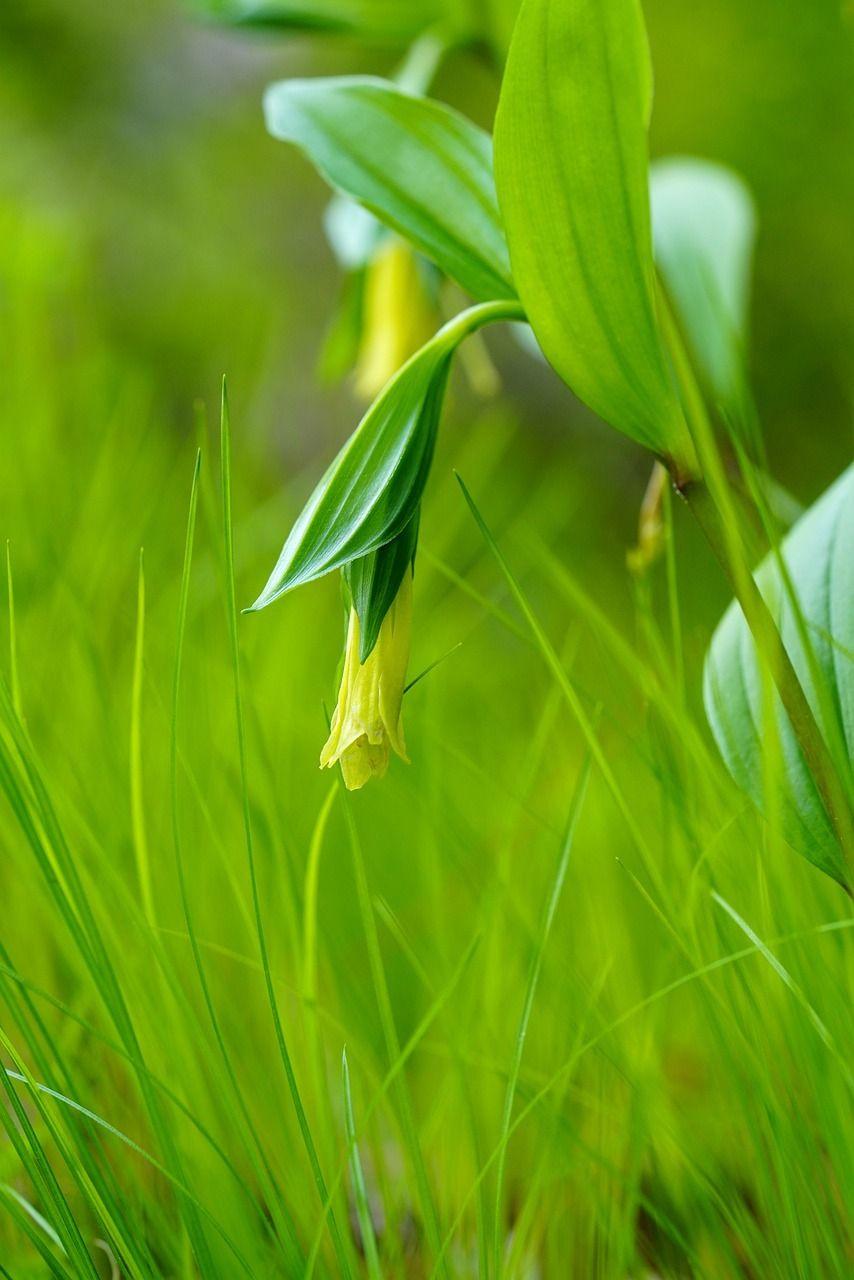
(773, 651)
(709, 499)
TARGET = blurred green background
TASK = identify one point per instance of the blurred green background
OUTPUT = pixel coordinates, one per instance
(152, 239)
(135, 134)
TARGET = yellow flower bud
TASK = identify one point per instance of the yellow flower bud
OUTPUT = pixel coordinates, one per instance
(367, 722)
(651, 533)
(398, 316)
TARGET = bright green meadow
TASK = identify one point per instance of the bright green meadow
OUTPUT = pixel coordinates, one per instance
(554, 999)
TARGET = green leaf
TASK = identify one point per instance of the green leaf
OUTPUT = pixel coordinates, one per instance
(390, 19)
(374, 581)
(372, 489)
(819, 636)
(704, 229)
(418, 166)
(572, 177)
(370, 492)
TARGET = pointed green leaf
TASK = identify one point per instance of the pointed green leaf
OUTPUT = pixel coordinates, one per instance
(420, 167)
(374, 581)
(370, 492)
(704, 229)
(571, 170)
(372, 489)
(819, 555)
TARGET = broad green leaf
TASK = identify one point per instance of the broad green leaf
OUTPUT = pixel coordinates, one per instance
(704, 230)
(372, 489)
(819, 555)
(420, 167)
(354, 234)
(572, 177)
(374, 581)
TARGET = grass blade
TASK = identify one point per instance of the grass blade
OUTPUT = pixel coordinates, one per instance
(548, 651)
(140, 836)
(528, 1004)
(360, 1191)
(284, 1053)
(284, 1225)
(789, 982)
(13, 635)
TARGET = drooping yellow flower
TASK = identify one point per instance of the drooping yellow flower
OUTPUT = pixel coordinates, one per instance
(398, 316)
(367, 723)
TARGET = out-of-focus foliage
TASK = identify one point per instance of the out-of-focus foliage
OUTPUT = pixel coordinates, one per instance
(366, 18)
(765, 88)
(818, 567)
(704, 228)
(395, 20)
(169, 111)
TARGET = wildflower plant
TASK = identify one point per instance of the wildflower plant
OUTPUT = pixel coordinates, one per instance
(636, 287)
(595, 1017)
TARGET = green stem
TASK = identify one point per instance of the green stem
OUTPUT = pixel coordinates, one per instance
(711, 503)
(474, 318)
(769, 644)
(423, 59)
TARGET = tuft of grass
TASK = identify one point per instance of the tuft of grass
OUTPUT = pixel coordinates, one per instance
(626, 1058)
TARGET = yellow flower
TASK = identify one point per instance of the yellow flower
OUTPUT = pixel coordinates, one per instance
(367, 722)
(398, 316)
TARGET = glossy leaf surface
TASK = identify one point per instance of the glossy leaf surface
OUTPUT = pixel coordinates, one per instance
(374, 581)
(572, 178)
(372, 489)
(418, 166)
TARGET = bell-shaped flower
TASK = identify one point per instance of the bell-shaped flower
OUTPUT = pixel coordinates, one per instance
(398, 315)
(367, 723)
